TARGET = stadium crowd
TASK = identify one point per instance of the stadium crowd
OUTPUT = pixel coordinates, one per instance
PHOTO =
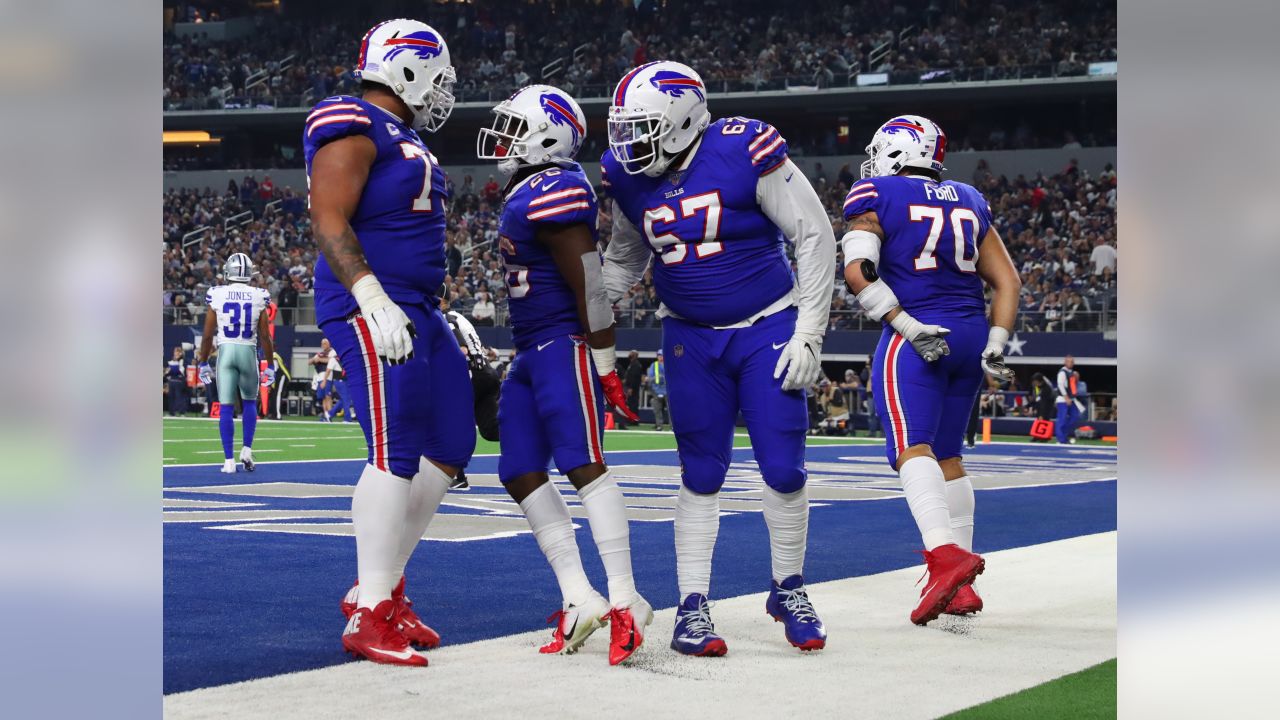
(1060, 230)
(498, 46)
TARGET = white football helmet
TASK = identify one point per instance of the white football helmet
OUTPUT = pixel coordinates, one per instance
(413, 60)
(238, 268)
(537, 125)
(905, 141)
(658, 110)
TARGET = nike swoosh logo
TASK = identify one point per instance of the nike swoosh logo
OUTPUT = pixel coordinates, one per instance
(631, 642)
(779, 345)
(790, 176)
(548, 186)
(398, 654)
(545, 344)
(573, 627)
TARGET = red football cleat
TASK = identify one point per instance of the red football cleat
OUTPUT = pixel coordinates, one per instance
(626, 630)
(406, 620)
(966, 602)
(371, 634)
(949, 568)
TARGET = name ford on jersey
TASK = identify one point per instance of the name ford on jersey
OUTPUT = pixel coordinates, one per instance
(941, 192)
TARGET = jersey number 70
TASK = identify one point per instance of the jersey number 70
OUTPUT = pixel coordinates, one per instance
(959, 217)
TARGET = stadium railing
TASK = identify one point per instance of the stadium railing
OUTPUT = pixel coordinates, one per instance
(758, 82)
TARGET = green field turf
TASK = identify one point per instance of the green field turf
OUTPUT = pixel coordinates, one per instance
(195, 441)
(1090, 693)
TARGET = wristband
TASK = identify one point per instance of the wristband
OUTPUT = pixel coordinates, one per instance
(606, 359)
(369, 294)
(996, 339)
(877, 299)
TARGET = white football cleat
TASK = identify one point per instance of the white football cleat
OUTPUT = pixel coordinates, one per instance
(229, 466)
(575, 623)
(246, 457)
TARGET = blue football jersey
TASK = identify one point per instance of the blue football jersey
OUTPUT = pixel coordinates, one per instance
(542, 304)
(718, 258)
(931, 235)
(400, 219)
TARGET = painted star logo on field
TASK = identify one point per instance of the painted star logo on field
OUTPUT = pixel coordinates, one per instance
(1013, 346)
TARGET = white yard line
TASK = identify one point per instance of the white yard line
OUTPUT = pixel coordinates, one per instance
(1051, 610)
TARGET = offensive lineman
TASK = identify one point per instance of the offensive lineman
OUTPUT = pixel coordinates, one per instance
(236, 316)
(916, 254)
(377, 213)
(551, 404)
(714, 203)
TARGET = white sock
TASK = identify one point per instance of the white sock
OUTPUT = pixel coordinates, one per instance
(548, 515)
(377, 512)
(926, 492)
(788, 519)
(960, 503)
(697, 525)
(428, 489)
(607, 511)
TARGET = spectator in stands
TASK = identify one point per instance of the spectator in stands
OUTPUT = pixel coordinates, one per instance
(483, 311)
(1103, 256)
(490, 192)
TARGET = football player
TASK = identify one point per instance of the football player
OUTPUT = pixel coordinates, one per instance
(235, 316)
(552, 402)
(378, 216)
(917, 252)
(713, 206)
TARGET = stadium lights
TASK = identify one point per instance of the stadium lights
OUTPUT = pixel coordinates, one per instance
(189, 137)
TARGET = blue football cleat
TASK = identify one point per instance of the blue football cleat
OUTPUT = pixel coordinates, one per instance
(789, 604)
(695, 635)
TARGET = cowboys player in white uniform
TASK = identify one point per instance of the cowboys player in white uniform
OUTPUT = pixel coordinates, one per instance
(235, 316)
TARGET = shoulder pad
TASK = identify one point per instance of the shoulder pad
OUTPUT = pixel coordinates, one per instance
(766, 147)
(334, 118)
(861, 198)
(560, 196)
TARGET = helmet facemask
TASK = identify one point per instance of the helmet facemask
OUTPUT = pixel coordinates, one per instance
(505, 140)
(636, 139)
(432, 108)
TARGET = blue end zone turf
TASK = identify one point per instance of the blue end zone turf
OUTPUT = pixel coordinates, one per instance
(242, 605)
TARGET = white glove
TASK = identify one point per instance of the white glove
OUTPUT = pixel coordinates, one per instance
(802, 358)
(206, 374)
(268, 376)
(391, 329)
(928, 340)
(993, 356)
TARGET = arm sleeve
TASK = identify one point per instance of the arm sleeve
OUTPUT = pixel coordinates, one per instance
(626, 258)
(790, 202)
(862, 198)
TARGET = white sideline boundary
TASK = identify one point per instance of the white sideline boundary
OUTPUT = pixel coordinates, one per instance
(1051, 611)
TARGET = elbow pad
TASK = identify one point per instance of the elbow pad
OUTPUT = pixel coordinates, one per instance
(860, 244)
(599, 309)
(877, 299)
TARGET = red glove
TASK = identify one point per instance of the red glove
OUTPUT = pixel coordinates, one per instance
(616, 396)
